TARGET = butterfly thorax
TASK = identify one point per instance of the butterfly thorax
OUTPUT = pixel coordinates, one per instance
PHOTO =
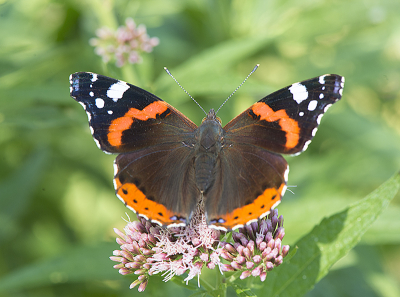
(209, 141)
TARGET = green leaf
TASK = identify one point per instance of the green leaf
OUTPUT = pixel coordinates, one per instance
(200, 293)
(179, 280)
(195, 73)
(81, 264)
(242, 291)
(333, 238)
(17, 190)
(390, 223)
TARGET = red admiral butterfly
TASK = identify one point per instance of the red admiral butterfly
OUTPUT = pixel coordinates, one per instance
(166, 163)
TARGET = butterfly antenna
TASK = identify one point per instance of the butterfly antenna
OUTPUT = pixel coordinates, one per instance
(170, 74)
(254, 69)
(290, 189)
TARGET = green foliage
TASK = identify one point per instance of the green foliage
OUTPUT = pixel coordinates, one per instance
(57, 204)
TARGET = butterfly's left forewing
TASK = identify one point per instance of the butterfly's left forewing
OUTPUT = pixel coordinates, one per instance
(123, 117)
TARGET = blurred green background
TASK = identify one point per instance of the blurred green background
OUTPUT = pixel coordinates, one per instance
(57, 202)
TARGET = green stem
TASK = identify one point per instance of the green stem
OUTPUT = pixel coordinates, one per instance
(104, 12)
(219, 279)
(129, 74)
(249, 283)
(207, 285)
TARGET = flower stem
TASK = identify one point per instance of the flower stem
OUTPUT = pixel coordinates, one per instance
(105, 14)
(219, 279)
(129, 74)
(207, 285)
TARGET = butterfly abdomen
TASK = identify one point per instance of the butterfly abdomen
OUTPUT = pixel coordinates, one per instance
(204, 169)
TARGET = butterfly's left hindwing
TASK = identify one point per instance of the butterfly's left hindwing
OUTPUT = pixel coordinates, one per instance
(158, 182)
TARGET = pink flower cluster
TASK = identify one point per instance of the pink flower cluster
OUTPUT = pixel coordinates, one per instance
(125, 44)
(148, 249)
(257, 247)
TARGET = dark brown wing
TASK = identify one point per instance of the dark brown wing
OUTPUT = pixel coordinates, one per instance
(250, 181)
(158, 182)
(156, 178)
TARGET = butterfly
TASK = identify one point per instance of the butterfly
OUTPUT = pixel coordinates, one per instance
(166, 163)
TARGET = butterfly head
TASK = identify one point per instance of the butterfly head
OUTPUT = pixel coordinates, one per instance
(211, 116)
(210, 132)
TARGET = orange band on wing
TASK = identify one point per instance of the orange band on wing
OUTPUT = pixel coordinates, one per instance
(261, 205)
(288, 125)
(119, 125)
(137, 200)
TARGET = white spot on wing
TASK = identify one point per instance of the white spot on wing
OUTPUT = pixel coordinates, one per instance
(286, 174)
(321, 96)
(89, 116)
(301, 113)
(97, 143)
(99, 102)
(115, 168)
(236, 227)
(117, 90)
(131, 208)
(276, 204)
(94, 77)
(122, 200)
(253, 221)
(322, 79)
(319, 119)
(314, 131)
(306, 145)
(284, 190)
(91, 94)
(264, 214)
(327, 107)
(109, 111)
(83, 105)
(218, 228)
(147, 218)
(312, 105)
(172, 225)
(299, 92)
